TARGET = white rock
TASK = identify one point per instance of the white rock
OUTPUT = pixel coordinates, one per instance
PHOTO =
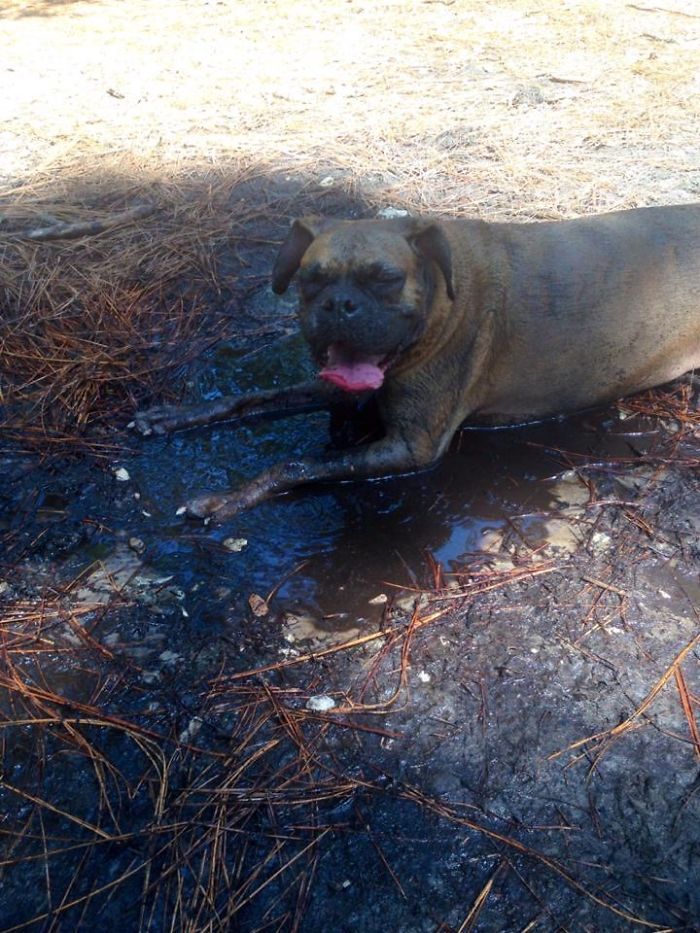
(122, 475)
(601, 541)
(169, 657)
(424, 677)
(320, 704)
(387, 213)
(379, 600)
(235, 544)
(195, 724)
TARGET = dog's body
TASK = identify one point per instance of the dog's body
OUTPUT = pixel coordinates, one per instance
(456, 319)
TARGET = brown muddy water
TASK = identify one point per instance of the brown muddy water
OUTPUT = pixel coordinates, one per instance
(505, 681)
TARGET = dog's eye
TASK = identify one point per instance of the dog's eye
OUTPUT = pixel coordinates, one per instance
(389, 279)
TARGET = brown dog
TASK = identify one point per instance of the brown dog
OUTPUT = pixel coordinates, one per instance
(456, 319)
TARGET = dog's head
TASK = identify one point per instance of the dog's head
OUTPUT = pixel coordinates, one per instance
(365, 290)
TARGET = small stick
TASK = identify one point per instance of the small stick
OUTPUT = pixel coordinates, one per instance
(71, 231)
(605, 586)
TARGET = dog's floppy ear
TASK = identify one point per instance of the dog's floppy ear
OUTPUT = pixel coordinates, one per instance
(301, 235)
(429, 239)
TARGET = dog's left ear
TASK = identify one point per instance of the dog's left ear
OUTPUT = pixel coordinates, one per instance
(300, 237)
(430, 241)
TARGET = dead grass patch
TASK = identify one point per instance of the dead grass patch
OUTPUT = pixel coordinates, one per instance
(95, 321)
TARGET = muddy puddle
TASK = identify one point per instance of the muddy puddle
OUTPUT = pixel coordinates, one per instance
(330, 551)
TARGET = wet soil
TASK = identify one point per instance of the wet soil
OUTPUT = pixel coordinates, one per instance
(163, 678)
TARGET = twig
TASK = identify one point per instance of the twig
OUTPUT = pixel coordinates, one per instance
(661, 9)
(605, 586)
(71, 231)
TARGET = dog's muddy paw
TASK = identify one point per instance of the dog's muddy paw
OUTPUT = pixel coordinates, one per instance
(157, 420)
(205, 507)
(213, 507)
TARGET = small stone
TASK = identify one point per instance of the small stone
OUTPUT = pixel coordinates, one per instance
(379, 600)
(320, 704)
(235, 544)
(187, 734)
(137, 545)
(412, 601)
(424, 677)
(326, 182)
(600, 541)
(287, 652)
(527, 97)
(181, 510)
(122, 475)
(258, 605)
(169, 657)
(388, 213)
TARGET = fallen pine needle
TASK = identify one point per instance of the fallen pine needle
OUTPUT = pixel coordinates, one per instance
(631, 721)
(684, 694)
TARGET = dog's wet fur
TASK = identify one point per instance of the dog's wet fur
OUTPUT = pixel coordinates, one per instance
(449, 320)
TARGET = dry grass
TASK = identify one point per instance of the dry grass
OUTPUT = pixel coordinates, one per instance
(95, 322)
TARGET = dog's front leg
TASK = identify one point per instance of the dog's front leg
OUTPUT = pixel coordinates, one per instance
(308, 396)
(391, 454)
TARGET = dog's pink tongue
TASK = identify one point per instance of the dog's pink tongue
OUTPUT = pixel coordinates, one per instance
(353, 377)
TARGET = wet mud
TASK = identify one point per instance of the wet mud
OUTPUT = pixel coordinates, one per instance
(531, 591)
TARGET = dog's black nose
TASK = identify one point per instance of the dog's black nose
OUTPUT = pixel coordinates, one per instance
(340, 303)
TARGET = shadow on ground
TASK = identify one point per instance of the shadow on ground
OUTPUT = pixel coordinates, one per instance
(23, 9)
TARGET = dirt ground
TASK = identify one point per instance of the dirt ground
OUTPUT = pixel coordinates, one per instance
(466, 700)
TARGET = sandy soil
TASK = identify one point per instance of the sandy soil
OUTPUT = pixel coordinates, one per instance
(538, 110)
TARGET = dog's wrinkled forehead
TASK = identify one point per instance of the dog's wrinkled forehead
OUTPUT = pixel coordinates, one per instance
(353, 248)
(336, 248)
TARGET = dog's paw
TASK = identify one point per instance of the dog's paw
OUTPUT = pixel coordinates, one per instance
(160, 420)
(205, 507)
(214, 507)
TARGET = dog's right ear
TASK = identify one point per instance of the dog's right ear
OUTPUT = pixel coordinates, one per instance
(301, 235)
